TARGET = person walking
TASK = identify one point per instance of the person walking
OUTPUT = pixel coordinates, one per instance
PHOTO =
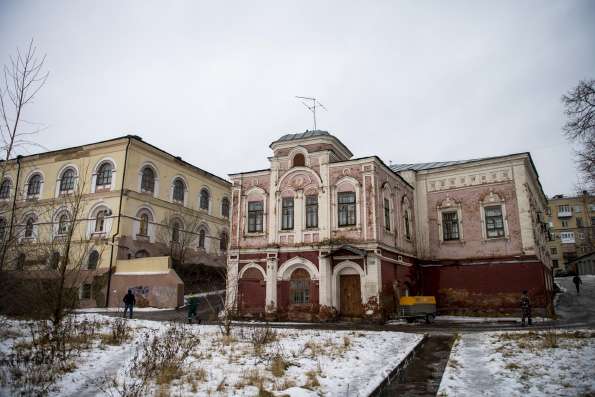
(525, 308)
(192, 309)
(577, 282)
(129, 301)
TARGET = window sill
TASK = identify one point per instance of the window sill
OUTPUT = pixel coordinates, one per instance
(32, 198)
(452, 242)
(488, 239)
(101, 189)
(142, 237)
(255, 234)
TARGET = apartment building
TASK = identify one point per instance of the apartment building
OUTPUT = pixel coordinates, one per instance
(572, 221)
(141, 212)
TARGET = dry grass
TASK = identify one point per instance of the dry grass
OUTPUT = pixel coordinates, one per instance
(278, 366)
(311, 380)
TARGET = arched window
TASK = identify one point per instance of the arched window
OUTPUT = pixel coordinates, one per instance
(141, 254)
(148, 180)
(104, 175)
(93, 260)
(29, 227)
(175, 232)
(204, 199)
(299, 287)
(5, 189)
(63, 222)
(223, 241)
(225, 207)
(67, 181)
(299, 160)
(34, 187)
(143, 229)
(201, 238)
(2, 229)
(100, 221)
(179, 190)
(55, 260)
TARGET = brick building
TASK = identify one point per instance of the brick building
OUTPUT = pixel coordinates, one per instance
(321, 232)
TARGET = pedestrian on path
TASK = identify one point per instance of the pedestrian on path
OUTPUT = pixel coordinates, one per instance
(577, 282)
(525, 308)
(129, 301)
(192, 309)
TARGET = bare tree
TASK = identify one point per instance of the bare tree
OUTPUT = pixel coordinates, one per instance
(22, 78)
(59, 255)
(580, 128)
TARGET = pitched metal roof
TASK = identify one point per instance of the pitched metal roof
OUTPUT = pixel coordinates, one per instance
(302, 135)
(440, 164)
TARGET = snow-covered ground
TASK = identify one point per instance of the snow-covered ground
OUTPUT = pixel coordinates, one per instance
(329, 363)
(521, 363)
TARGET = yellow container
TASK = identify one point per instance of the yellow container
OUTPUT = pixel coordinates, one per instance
(417, 300)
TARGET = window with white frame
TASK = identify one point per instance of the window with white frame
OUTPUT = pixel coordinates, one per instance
(202, 235)
(225, 207)
(63, 224)
(494, 221)
(93, 260)
(255, 216)
(387, 214)
(312, 211)
(100, 221)
(67, 180)
(30, 227)
(287, 213)
(205, 197)
(147, 183)
(179, 190)
(346, 208)
(450, 226)
(143, 227)
(5, 189)
(103, 179)
(34, 186)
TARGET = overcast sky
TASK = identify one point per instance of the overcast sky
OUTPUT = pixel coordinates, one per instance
(214, 82)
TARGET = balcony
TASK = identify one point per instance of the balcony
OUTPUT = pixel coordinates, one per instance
(564, 213)
(567, 238)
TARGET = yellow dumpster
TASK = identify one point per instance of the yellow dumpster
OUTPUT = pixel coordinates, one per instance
(417, 307)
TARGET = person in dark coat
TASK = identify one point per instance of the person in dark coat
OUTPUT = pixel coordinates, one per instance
(577, 282)
(192, 309)
(526, 308)
(129, 301)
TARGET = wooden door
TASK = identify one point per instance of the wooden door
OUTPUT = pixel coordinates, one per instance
(350, 295)
(252, 292)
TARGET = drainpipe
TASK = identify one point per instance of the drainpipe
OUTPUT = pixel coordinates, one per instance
(111, 259)
(14, 204)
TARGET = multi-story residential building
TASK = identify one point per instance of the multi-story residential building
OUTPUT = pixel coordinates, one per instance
(139, 206)
(572, 222)
(321, 232)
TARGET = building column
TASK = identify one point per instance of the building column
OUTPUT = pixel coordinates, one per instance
(271, 285)
(232, 284)
(324, 284)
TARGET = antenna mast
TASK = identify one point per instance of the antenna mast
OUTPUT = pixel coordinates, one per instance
(312, 106)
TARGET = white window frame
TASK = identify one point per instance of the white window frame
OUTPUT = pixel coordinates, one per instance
(491, 200)
(140, 179)
(450, 205)
(96, 169)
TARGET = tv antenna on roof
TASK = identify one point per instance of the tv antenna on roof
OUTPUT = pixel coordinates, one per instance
(312, 106)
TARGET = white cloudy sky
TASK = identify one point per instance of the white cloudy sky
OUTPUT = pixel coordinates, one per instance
(215, 81)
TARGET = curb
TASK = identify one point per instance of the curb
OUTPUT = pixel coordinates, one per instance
(397, 371)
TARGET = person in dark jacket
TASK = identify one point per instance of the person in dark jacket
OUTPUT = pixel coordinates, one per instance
(526, 308)
(577, 282)
(129, 301)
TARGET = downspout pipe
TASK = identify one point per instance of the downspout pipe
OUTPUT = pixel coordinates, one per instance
(111, 259)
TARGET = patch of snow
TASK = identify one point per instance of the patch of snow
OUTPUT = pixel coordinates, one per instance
(120, 309)
(203, 294)
(464, 319)
(520, 364)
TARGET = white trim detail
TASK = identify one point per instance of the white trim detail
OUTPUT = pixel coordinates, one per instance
(252, 265)
(347, 267)
(297, 262)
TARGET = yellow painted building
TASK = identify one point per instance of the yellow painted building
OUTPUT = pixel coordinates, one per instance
(132, 200)
(572, 228)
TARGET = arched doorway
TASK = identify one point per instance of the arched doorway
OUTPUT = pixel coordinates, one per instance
(252, 291)
(347, 286)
